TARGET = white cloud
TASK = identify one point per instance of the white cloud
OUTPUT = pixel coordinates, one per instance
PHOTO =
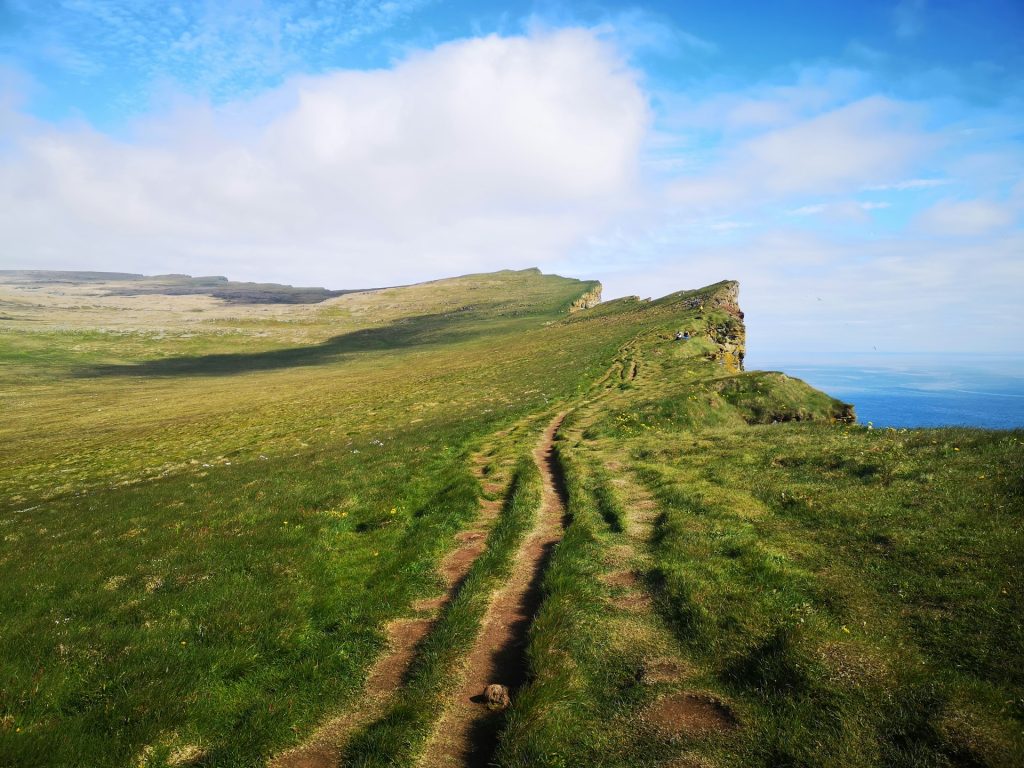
(964, 218)
(854, 143)
(840, 209)
(908, 184)
(904, 294)
(764, 106)
(808, 210)
(490, 152)
(637, 29)
(840, 150)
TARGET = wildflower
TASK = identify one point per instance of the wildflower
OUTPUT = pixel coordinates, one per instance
(393, 510)
(956, 449)
(183, 642)
(286, 522)
(845, 629)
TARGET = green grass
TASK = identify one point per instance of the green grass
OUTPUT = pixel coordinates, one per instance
(207, 556)
(850, 587)
(204, 554)
(205, 527)
(397, 737)
(581, 705)
(854, 596)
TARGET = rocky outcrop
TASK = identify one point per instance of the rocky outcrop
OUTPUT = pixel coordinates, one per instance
(589, 299)
(728, 333)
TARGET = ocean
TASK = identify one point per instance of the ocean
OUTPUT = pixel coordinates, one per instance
(922, 392)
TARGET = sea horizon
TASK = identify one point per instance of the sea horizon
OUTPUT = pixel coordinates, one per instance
(917, 390)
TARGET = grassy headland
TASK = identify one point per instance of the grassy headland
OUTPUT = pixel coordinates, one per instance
(210, 511)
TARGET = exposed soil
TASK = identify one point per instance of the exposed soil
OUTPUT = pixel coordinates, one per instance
(625, 579)
(632, 602)
(691, 714)
(664, 670)
(465, 735)
(323, 750)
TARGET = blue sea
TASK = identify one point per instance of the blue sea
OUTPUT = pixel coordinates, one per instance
(919, 392)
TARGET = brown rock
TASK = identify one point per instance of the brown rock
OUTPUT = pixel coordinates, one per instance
(496, 697)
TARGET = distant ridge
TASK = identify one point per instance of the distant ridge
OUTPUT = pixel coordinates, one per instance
(217, 286)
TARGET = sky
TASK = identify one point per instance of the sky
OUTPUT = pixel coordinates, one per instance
(858, 167)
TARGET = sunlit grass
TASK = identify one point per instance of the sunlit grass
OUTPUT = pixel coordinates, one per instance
(204, 529)
(852, 595)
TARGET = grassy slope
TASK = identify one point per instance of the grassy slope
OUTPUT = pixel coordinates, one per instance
(152, 600)
(854, 596)
(206, 526)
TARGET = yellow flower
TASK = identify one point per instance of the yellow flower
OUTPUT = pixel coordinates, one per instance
(956, 449)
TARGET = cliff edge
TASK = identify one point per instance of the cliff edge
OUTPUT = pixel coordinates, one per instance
(589, 299)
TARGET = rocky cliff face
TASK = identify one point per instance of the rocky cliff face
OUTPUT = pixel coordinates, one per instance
(589, 299)
(728, 333)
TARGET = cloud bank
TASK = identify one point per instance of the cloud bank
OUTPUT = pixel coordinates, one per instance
(484, 153)
(552, 149)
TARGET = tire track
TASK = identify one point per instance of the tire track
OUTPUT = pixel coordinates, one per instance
(324, 748)
(466, 734)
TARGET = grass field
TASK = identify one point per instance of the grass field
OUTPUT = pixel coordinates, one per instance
(211, 511)
(816, 594)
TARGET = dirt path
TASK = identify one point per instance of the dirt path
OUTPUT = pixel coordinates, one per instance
(323, 750)
(465, 735)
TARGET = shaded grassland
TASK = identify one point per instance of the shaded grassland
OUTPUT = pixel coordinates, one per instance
(830, 595)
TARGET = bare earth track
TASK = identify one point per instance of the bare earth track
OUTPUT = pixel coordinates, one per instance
(465, 735)
(385, 677)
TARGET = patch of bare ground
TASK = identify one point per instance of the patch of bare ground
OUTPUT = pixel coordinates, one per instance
(624, 579)
(466, 734)
(691, 714)
(690, 761)
(632, 602)
(663, 670)
(324, 749)
(631, 595)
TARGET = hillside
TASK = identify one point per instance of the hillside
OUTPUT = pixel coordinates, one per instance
(294, 529)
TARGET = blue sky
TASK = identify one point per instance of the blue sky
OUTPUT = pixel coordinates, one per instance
(857, 166)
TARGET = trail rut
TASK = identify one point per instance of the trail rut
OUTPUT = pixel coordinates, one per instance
(324, 748)
(466, 734)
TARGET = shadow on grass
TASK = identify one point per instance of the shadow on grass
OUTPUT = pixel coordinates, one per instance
(423, 330)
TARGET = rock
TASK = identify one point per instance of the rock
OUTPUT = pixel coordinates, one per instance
(589, 299)
(496, 697)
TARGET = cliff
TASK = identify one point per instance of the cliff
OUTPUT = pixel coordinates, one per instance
(589, 299)
(720, 319)
(725, 326)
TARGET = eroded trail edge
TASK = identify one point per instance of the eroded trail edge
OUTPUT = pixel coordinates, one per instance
(466, 734)
(324, 748)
